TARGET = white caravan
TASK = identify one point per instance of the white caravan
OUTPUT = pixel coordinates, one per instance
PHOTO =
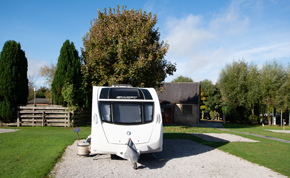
(121, 112)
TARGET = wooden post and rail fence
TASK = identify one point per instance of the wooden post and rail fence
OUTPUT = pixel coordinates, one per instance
(49, 115)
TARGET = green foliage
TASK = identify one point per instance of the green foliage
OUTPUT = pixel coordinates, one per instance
(48, 73)
(124, 47)
(40, 93)
(210, 97)
(68, 69)
(245, 86)
(182, 79)
(272, 78)
(282, 99)
(253, 86)
(233, 83)
(13, 79)
(68, 94)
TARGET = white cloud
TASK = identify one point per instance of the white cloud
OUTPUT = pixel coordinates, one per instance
(201, 49)
(34, 66)
(230, 22)
(185, 35)
(149, 6)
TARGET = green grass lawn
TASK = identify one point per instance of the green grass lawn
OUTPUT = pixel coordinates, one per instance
(269, 153)
(258, 129)
(33, 151)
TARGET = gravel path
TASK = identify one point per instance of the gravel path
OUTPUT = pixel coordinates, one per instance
(280, 131)
(221, 137)
(8, 130)
(179, 158)
(261, 136)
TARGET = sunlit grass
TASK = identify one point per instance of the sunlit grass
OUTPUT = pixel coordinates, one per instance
(33, 151)
(258, 129)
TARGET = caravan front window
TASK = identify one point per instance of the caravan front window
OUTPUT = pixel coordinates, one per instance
(127, 112)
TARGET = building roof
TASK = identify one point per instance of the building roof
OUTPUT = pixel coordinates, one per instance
(183, 92)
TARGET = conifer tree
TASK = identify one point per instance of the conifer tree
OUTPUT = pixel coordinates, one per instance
(13, 79)
(68, 72)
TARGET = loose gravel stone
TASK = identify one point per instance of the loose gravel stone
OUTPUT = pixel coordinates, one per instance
(8, 130)
(179, 158)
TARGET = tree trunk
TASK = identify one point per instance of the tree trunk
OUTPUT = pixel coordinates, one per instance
(289, 118)
(281, 117)
(273, 114)
(253, 114)
(268, 113)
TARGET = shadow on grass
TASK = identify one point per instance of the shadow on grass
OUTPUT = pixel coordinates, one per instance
(176, 146)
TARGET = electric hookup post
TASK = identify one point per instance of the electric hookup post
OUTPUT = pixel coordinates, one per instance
(76, 130)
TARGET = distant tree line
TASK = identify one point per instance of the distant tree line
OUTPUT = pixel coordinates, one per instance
(244, 91)
(244, 87)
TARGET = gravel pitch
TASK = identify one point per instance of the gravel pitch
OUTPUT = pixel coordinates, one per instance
(8, 130)
(280, 131)
(221, 137)
(179, 158)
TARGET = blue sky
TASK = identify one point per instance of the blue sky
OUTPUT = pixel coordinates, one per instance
(203, 35)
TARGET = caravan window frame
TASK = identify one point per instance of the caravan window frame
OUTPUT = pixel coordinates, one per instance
(113, 104)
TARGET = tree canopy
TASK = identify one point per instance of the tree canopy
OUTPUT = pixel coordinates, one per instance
(253, 87)
(123, 46)
(48, 73)
(68, 72)
(210, 97)
(246, 86)
(13, 78)
(273, 76)
(232, 81)
(182, 79)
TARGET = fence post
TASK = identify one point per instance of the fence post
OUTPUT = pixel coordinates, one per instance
(33, 115)
(43, 118)
(18, 118)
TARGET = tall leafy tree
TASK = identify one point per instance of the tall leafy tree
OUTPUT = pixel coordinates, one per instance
(68, 72)
(13, 79)
(211, 99)
(123, 46)
(253, 85)
(182, 79)
(283, 93)
(48, 73)
(208, 90)
(233, 84)
(272, 78)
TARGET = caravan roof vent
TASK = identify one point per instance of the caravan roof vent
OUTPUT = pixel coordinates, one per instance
(122, 86)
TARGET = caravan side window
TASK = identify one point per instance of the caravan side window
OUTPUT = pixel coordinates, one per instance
(106, 111)
(148, 111)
